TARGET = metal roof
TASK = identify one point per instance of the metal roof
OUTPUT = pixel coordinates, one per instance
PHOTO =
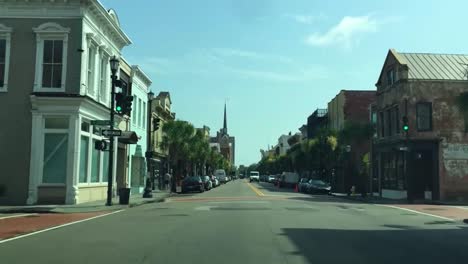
(428, 66)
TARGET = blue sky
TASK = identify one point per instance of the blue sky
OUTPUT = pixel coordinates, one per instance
(276, 61)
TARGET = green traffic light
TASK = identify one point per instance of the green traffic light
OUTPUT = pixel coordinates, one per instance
(405, 128)
(118, 108)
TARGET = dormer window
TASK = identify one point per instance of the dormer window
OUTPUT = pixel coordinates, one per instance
(391, 77)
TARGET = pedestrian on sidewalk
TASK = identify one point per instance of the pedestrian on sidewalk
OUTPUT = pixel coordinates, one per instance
(167, 180)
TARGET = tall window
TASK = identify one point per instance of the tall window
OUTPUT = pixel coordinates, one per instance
(390, 77)
(102, 79)
(135, 110)
(93, 163)
(397, 120)
(52, 64)
(388, 123)
(424, 116)
(139, 112)
(91, 63)
(2, 62)
(381, 124)
(143, 118)
(54, 162)
(51, 57)
(5, 34)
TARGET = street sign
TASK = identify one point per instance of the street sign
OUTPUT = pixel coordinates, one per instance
(108, 133)
(404, 149)
(100, 122)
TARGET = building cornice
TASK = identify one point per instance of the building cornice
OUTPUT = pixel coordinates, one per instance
(141, 75)
(67, 9)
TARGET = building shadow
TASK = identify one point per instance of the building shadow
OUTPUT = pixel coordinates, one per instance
(399, 244)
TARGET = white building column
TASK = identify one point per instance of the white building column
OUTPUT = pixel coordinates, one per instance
(73, 165)
(35, 160)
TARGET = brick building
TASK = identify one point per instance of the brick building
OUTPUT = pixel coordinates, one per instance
(350, 106)
(431, 161)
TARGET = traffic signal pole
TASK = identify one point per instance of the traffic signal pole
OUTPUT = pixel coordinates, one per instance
(111, 143)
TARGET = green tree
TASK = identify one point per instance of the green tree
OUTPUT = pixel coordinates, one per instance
(176, 140)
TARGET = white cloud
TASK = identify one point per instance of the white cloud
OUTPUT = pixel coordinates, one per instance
(345, 33)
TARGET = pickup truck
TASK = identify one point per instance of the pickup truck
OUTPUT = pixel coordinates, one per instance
(254, 176)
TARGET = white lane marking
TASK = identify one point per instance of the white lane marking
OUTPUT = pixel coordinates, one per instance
(59, 226)
(461, 207)
(247, 202)
(417, 212)
(204, 208)
(13, 216)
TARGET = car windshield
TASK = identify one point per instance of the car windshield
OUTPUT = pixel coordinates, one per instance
(318, 182)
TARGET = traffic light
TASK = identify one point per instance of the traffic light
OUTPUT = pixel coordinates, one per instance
(119, 102)
(100, 145)
(127, 105)
(156, 123)
(405, 124)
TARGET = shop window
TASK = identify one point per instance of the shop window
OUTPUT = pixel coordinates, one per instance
(55, 158)
(105, 166)
(84, 146)
(95, 164)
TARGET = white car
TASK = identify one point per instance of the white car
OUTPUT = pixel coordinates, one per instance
(254, 176)
(221, 175)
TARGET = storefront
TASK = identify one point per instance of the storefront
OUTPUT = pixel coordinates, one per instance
(65, 168)
(408, 170)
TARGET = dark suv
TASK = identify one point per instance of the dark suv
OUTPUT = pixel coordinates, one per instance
(193, 183)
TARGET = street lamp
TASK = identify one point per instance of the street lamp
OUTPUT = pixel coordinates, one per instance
(114, 65)
(149, 150)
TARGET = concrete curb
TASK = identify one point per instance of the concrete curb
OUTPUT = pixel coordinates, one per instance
(78, 209)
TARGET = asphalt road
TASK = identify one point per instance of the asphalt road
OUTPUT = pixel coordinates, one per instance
(248, 223)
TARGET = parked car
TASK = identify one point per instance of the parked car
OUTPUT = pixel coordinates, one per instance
(207, 181)
(302, 185)
(318, 187)
(275, 179)
(214, 181)
(193, 183)
(254, 176)
(221, 175)
(271, 179)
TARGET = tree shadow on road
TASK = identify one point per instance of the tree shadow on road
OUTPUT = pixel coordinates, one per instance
(401, 244)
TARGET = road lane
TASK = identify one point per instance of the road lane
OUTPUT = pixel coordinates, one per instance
(292, 228)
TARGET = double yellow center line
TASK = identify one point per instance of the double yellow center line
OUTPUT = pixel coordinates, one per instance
(257, 191)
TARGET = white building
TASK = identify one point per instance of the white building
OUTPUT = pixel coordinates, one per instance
(139, 124)
(59, 83)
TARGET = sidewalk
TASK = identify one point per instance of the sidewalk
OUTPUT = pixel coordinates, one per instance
(95, 206)
(381, 200)
(370, 199)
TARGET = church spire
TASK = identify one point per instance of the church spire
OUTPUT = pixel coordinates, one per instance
(225, 120)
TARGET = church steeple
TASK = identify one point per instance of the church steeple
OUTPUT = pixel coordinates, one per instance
(225, 120)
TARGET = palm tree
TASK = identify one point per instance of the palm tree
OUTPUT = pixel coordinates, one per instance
(199, 150)
(176, 139)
